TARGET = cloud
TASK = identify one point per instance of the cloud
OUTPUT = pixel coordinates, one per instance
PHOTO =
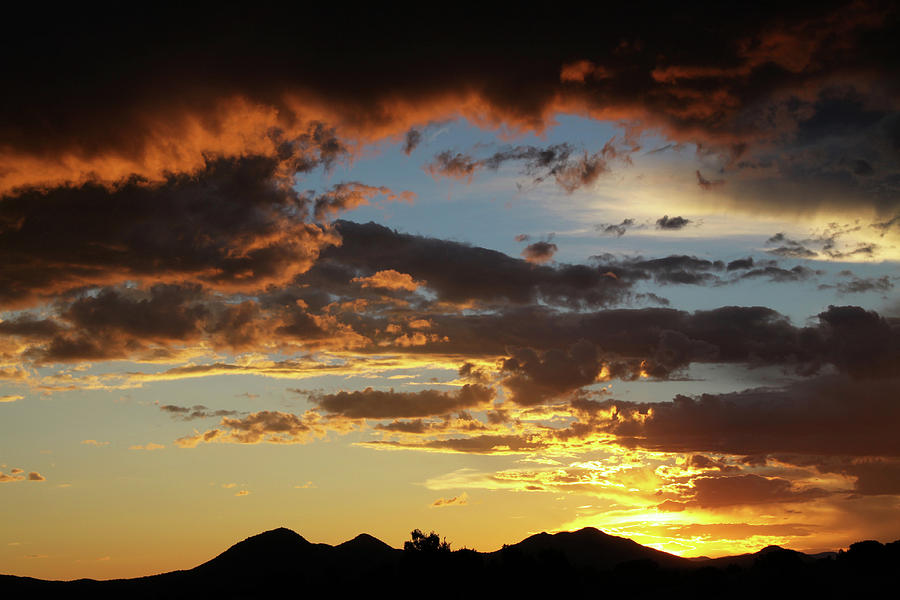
(791, 248)
(885, 226)
(376, 404)
(713, 492)
(707, 184)
(570, 170)
(147, 446)
(539, 252)
(617, 230)
(674, 269)
(389, 279)
(94, 443)
(777, 274)
(197, 411)
(535, 378)
(459, 273)
(665, 222)
(232, 226)
(272, 427)
(478, 444)
(461, 500)
(771, 81)
(413, 139)
(861, 285)
(581, 70)
(243, 493)
(347, 196)
(740, 264)
(830, 415)
(358, 332)
(17, 474)
(11, 398)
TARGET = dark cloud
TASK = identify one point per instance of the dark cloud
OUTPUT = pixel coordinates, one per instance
(862, 167)
(665, 222)
(347, 196)
(885, 226)
(539, 252)
(28, 326)
(675, 269)
(413, 139)
(476, 444)
(463, 166)
(422, 427)
(708, 184)
(860, 343)
(376, 404)
(471, 372)
(701, 461)
(418, 426)
(861, 285)
(827, 416)
(740, 264)
(197, 411)
(826, 242)
(536, 378)
(165, 312)
(790, 248)
(128, 322)
(570, 170)
(778, 275)
(233, 226)
(710, 492)
(137, 110)
(615, 229)
(460, 273)
(872, 475)
(266, 426)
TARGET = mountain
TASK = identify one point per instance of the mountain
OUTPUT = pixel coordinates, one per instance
(365, 545)
(281, 563)
(590, 547)
(276, 550)
(769, 554)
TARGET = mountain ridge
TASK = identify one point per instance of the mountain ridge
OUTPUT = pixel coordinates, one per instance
(281, 559)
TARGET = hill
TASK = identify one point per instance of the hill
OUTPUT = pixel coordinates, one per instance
(282, 563)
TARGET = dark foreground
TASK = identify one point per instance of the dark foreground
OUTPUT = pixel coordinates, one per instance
(281, 564)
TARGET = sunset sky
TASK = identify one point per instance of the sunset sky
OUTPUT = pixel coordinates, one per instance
(490, 275)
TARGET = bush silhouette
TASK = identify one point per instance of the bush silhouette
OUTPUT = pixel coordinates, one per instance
(428, 544)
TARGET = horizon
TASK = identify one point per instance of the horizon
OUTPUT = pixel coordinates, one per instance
(535, 533)
(529, 536)
(633, 269)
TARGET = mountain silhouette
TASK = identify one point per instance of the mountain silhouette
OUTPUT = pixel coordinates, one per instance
(590, 547)
(276, 551)
(281, 562)
(365, 545)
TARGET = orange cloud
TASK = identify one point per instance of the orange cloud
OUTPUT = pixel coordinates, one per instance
(147, 446)
(389, 279)
(460, 500)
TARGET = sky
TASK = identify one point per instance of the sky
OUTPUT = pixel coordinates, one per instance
(629, 269)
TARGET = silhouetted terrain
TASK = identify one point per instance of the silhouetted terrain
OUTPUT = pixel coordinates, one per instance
(281, 563)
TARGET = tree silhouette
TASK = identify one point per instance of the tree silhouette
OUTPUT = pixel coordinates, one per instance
(428, 544)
